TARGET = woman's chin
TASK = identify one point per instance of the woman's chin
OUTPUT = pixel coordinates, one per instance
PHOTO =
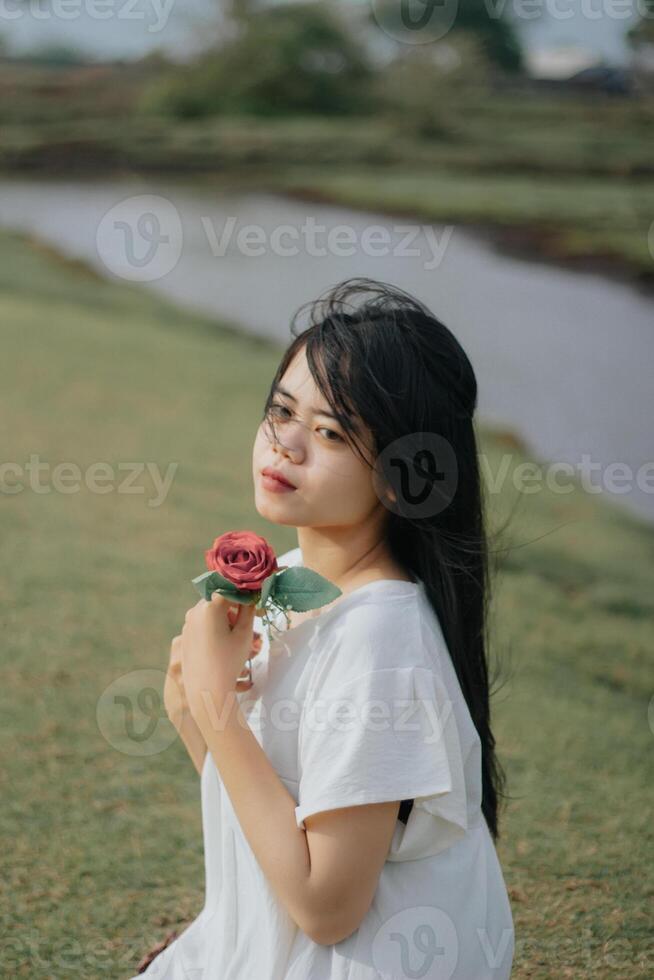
(275, 511)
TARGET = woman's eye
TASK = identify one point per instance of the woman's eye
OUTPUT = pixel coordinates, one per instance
(276, 405)
(276, 408)
(336, 437)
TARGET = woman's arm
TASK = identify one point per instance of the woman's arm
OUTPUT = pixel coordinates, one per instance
(177, 707)
(176, 703)
(195, 744)
(326, 875)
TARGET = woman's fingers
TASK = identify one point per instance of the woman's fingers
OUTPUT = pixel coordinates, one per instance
(244, 681)
(232, 615)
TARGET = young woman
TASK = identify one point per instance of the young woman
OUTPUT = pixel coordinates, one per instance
(350, 798)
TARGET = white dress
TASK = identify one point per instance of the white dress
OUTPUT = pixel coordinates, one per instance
(360, 704)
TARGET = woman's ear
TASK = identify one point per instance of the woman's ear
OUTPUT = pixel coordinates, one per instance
(384, 489)
(389, 494)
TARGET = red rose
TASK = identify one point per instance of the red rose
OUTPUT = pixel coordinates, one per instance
(243, 558)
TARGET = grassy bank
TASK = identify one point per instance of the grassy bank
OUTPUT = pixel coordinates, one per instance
(595, 224)
(102, 843)
(567, 177)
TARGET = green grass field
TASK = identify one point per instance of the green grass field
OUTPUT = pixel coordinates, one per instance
(102, 843)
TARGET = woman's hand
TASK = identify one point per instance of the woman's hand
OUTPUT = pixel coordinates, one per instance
(244, 681)
(216, 642)
(175, 700)
(174, 693)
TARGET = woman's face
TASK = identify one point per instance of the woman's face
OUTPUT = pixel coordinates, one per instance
(334, 487)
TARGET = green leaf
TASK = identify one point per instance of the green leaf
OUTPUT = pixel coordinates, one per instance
(211, 582)
(302, 589)
(268, 588)
(242, 598)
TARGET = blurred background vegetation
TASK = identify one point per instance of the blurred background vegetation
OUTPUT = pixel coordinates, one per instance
(315, 98)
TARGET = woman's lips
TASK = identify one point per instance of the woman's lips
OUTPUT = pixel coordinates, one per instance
(274, 485)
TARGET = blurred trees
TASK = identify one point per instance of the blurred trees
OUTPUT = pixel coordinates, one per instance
(298, 58)
(425, 90)
(641, 40)
(304, 58)
(643, 31)
(481, 21)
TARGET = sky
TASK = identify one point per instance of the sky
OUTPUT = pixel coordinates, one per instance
(132, 28)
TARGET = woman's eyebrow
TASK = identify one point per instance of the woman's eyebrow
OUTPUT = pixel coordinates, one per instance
(316, 411)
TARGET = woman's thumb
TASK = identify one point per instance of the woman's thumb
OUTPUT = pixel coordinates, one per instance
(245, 617)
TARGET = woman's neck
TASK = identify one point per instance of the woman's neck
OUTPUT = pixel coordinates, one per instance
(347, 559)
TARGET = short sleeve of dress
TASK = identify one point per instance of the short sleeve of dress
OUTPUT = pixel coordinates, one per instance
(386, 734)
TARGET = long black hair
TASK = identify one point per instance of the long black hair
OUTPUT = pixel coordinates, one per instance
(378, 354)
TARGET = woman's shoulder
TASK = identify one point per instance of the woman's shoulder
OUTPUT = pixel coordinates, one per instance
(376, 627)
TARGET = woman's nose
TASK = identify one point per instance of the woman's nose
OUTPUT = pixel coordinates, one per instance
(292, 445)
(291, 452)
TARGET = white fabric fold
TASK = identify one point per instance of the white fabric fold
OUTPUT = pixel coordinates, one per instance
(389, 734)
